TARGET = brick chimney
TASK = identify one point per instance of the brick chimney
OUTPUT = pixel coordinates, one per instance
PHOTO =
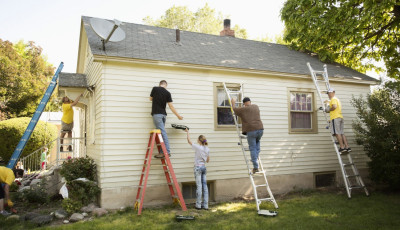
(227, 29)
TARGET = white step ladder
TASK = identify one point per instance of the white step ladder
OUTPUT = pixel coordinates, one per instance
(239, 95)
(352, 179)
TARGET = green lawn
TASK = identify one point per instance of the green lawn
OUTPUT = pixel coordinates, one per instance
(311, 210)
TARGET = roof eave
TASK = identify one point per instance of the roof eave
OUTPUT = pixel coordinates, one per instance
(102, 58)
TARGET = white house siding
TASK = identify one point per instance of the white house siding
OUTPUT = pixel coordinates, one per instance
(123, 122)
(93, 71)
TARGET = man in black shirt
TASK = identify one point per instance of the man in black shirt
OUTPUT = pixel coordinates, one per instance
(160, 97)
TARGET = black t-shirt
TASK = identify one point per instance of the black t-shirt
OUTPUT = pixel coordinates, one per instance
(161, 97)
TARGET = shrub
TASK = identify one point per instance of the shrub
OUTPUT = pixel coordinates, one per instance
(12, 130)
(36, 194)
(71, 206)
(378, 130)
(83, 192)
(75, 168)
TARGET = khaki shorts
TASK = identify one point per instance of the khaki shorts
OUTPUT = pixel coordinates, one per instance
(67, 127)
(337, 126)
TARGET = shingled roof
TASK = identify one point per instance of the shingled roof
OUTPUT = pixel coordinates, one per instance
(156, 43)
(72, 80)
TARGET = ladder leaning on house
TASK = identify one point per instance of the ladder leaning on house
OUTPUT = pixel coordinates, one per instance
(353, 180)
(32, 124)
(156, 139)
(239, 95)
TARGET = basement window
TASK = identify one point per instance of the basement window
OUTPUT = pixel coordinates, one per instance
(324, 179)
(189, 191)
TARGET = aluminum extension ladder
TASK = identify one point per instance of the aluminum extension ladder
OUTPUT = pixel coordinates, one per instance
(239, 95)
(352, 179)
(156, 138)
(35, 118)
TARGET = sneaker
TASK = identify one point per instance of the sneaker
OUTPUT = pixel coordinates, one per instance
(342, 150)
(255, 170)
(5, 213)
(160, 155)
(204, 208)
(348, 149)
(197, 208)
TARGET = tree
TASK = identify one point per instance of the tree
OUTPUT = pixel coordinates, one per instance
(350, 32)
(24, 75)
(378, 130)
(205, 20)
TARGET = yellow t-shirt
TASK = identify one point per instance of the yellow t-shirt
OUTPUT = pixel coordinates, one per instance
(68, 114)
(337, 113)
(6, 175)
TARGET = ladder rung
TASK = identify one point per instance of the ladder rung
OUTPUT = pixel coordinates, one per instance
(260, 185)
(246, 149)
(266, 199)
(356, 187)
(349, 164)
(356, 175)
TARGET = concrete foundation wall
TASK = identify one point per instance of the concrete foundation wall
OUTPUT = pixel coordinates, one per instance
(225, 190)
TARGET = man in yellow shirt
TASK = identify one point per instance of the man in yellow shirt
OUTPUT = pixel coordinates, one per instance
(67, 120)
(337, 122)
(7, 176)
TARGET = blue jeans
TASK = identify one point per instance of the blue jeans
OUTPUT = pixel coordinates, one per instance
(253, 138)
(159, 122)
(200, 173)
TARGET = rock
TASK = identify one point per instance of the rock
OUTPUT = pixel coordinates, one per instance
(13, 217)
(60, 214)
(85, 214)
(23, 188)
(89, 208)
(76, 217)
(42, 220)
(26, 182)
(99, 211)
(30, 216)
(35, 182)
(66, 221)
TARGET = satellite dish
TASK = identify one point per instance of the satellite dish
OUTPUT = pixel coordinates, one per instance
(107, 30)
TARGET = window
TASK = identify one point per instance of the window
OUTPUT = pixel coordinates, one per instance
(325, 179)
(223, 118)
(302, 116)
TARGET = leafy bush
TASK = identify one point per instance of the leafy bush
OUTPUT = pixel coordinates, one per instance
(36, 194)
(75, 168)
(71, 206)
(12, 130)
(83, 192)
(378, 130)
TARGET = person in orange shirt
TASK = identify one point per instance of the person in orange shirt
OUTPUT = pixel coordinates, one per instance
(67, 120)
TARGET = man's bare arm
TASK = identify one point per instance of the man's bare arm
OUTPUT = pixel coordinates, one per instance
(171, 106)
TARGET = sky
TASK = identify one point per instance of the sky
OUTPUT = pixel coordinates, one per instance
(54, 25)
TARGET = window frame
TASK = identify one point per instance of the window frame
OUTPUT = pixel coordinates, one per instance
(313, 112)
(216, 86)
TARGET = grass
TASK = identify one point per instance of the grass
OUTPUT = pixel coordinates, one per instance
(302, 210)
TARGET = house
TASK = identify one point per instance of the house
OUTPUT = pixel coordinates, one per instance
(296, 148)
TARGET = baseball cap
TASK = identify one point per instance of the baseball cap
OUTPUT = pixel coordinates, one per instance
(246, 99)
(331, 90)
